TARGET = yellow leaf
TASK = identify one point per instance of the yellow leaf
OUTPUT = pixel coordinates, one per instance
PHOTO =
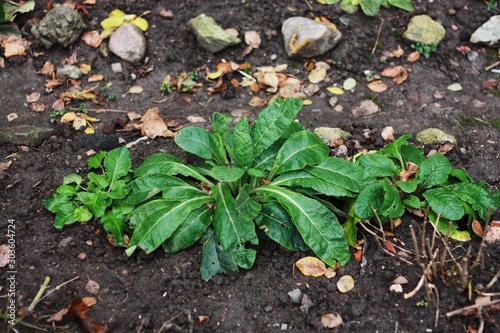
(68, 117)
(85, 68)
(117, 13)
(311, 266)
(79, 123)
(307, 102)
(317, 75)
(129, 18)
(141, 23)
(135, 90)
(335, 90)
(345, 283)
(112, 22)
(89, 130)
(214, 75)
(88, 118)
(454, 87)
(107, 32)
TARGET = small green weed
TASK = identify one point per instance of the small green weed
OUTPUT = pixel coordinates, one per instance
(112, 97)
(369, 7)
(58, 113)
(491, 5)
(424, 49)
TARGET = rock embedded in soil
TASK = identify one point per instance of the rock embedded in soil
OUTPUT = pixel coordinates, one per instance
(306, 38)
(331, 135)
(423, 29)
(25, 135)
(210, 35)
(62, 25)
(128, 43)
(434, 136)
(70, 71)
(365, 108)
(488, 33)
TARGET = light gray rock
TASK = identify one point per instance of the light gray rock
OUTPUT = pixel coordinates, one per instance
(71, 71)
(331, 135)
(210, 35)
(25, 135)
(488, 33)
(306, 38)
(128, 43)
(296, 295)
(62, 25)
(423, 29)
(434, 136)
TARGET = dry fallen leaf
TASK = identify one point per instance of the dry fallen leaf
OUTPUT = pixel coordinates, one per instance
(414, 56)
(47, 69)
(345, 283)
(79, 309)
(135, 90)
(252, 38)
(15, 46)
(311, 266)
(152, 124)
(330, 273)
(257, 101)
(388, 133)
(33, 97)
(12, 116)
(331, 320)
(454, 87)
(399, 52)
(92, 38)
(58, 316)
(37, 107)
(409, 173)
(476, 227)
(96, 78)
(391, 71)
(4, 248)
(400, 280)
(317, 75)
(377, 86)
(396, 287)
(349, 84)
(89, 301)
(195, 119)
(335, 90)
(390, 247)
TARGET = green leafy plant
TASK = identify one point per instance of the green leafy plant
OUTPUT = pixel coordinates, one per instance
(8, 12)
(491, 5)
(273, 180)
(424, 49)
(369, 7)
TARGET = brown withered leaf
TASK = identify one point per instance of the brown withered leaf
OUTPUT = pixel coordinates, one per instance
(92, 287)
(409, 173)
(377, 86)
(96, 78)
(252, 38)
(79, 309)
(401, 77)
(477, 228)
(53, 83)
(311, 266)
(33, 97)
(414, 56)
(87, 94)
(58, 104)
(4, 166)
(71, 60)
(37, 107)
(92, 38)
(152, 124)
(445, 149)
(398, 53)
(15, 46)
(47, 69)
(257, 101)
(490, 84)
(12, 116)
(58, 316)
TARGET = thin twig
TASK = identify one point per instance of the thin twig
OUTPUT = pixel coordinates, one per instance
(483, 239)
(101, 110)
(59, 287)
(494, 280)
(39, 294)
(415, 245)
(471, 307)
(492, 66)
(164, 325)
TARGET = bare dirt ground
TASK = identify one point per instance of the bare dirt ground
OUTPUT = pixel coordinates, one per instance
(160, 292)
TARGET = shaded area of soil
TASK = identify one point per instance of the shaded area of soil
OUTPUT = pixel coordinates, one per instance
(145, 293)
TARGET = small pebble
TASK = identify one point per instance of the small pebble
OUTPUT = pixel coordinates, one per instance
(116, 67)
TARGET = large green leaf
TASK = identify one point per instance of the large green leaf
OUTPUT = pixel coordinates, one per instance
(242, 256)
(114, 221)
(242, 144)
(95, 202)
(403, 4)
(145, 187)
(64, 215)
(200, 142)
(168, 165)
(476, 196)
(446, 203)
(433, 171)
(162, 223)
(193, 227)
(392, 206)
(412, 153)
(301, 149)
(393, 149)
(117, 164)
(265, 161)
(272, 121)
(142, 212)
(300, 178)
(55, 202)
(371, 197)
(317, 225)
(443, 226)
(342, 174)
(214, 259)
(244, 203)
(231, 227)
(177, 190)
(8, 11)
(100, 180)
(371, 7)
(377, 165)
(226, 173)
(274, 220)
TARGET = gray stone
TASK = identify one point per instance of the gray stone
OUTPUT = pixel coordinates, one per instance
(365, 108)
(296, 296)
(128, 43)
(488, 33)
(434, 136)
(210, 35)
(306, 38)
(71, 71)
(62, 25)
(331, 135)
(25, 135)
(116, 67)
(423, 29)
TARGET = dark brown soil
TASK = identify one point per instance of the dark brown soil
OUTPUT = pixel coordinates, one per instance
(160, 292)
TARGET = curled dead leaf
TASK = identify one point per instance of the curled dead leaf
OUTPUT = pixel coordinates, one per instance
(15, 46)
(252, 38)
(414, 56)
(345, 283)
(33, 97)
(12, 116)
(493, 233)
(396, 287)
(311, 266)
(331, 320)
(92, 287)
(37, 107)
(398, 53)
(47, 68)
(152, 124)
(96, 78)
(92, 38)
(476, 227)
(257, 101)
(377, 86)
(388, 133)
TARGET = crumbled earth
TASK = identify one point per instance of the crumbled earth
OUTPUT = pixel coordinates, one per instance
(160, 292)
